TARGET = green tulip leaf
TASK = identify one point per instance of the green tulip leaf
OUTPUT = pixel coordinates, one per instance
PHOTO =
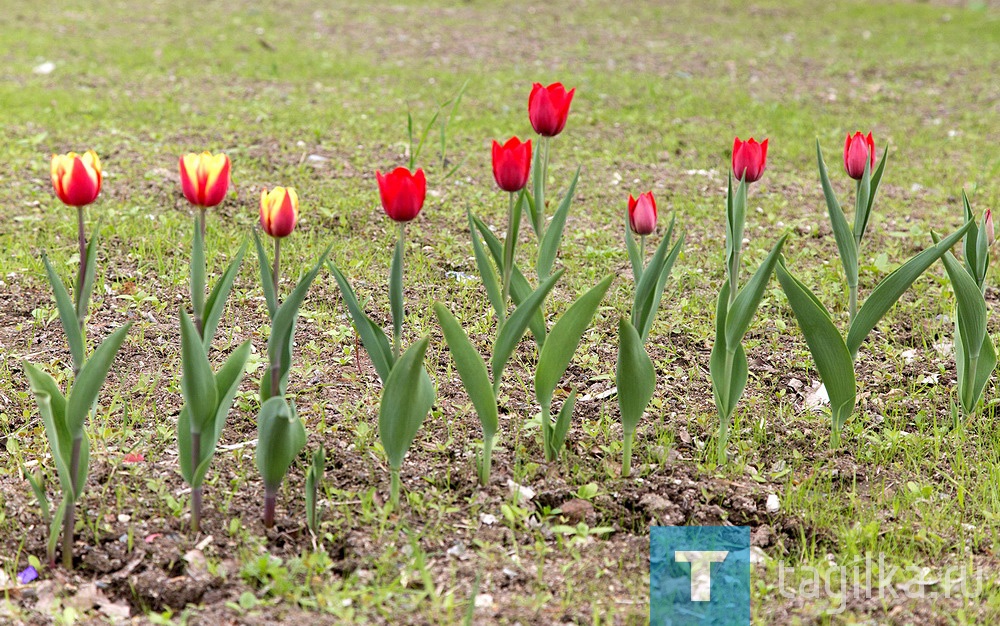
(513, 328)
(407, 397)
(833, 361)
(728, 368)
(649, 290)
(564, 339)
(91, 378)
(84, 291)
(520, 289)
(736, 212)
(471, 369)
(197, 380)
(895, 285)
(52, 407)
(634, 255)
(561, 426)
(861, 205)
(486, 273)
(280, 438)
(549, 246)
(67, 315)
(846, 244)
(266, 277)
(396, 288)
(216, 302)
(314, 476)
(635, 376)
(373, 338)
(876, 180)
(748, 299)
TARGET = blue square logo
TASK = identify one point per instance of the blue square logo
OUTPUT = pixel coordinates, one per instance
(699, 576)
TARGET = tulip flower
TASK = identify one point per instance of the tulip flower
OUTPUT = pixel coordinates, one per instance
(402, 193)
(548, 108)
(279, 211)
(511, 164)
(76, 178)
(642, 213)
(991, 234)
(858, 151)
(205, 178)
(749, 159)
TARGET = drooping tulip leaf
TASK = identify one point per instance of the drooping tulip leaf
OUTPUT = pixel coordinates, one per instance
(91, 378)
(635, 376)
(471, 369)
(834, 362)
(52, 407)
(407, 397)
(549, 246)
(970, 330)
(216, 302)
(846, 245)
(280, 438)
(564, 339)
(893, 286)
(67, 315)
(197, 380)
(373, 338)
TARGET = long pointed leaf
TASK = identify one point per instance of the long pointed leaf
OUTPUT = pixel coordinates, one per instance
(471, 369)
(876, 180)
(266, 278)
(893, 286)
(834, 362)
(635, 376)
(646, 287)
(727, 383)
(52, 408)
(84, 291)
(861, 206)
(668, 265)
(513, 328)
(970, 304)
(846, 244)
(561, 426)
(280, 438)
(67, 315)
(486, 273)
(407, 397)
(519, 286)
(216, 302)
(538, 190)
(372, 336)
(633, 251)
(198, 271)
(197, 379)
(749, 297)
(734, 228)
(90, 380)
(564, 339)
(549, 247)
(396, 289)
(227, 383)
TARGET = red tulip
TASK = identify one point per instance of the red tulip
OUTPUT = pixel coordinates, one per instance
(858, 150)
(642, 213)
(511, 164)
(402, 193)
(279, 211)
(548, 108)
(204, 178)
(76, 178)
(749, 159)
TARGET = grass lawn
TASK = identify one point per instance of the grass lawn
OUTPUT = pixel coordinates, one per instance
(315, 95)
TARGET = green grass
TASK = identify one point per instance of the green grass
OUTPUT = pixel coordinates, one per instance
(662, 88)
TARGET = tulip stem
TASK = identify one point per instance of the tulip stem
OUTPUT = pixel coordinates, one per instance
(270, 502)
(396, 292)
(69, 521)
(642, 250)
(201, 221)
(627, 454)
(394, 487)
(195, 491)
(853, 289)
(81, 276)
(276, 354)
(508, 256)
(540, 192)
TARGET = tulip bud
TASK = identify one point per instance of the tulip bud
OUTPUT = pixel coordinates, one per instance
(988, 225)
(548, 108)
(858, 151)
(279, 211)
(76, 178)
(402, 193)
(511, 164)
(204, 178)
(642, 213)
(749, 159)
